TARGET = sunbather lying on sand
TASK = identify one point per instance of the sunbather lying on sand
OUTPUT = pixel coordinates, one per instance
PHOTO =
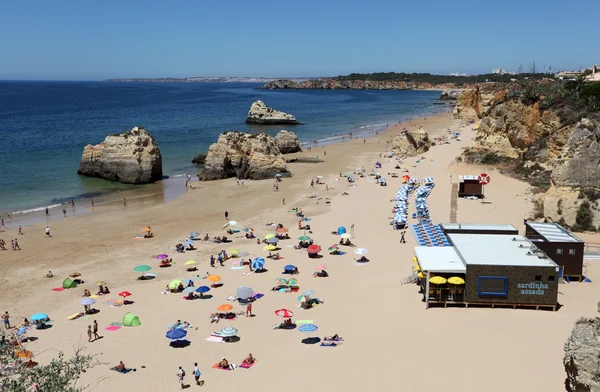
(320, 274)
(249, 359)
(121, 368)
(334, 338)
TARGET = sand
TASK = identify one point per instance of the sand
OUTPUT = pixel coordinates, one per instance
(391, 341)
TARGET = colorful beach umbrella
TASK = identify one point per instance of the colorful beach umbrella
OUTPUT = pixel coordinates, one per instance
(234, 251)
(270, 235)
(39, 317)
(314, 248)
(124, 294)
(438, 280)
(214, 278)
(270, 248)
(361, 251)
(258, 263)
(292, 282)
(224, 308)
(190, 262)
(176, 334)
(142, 268)
(87, 301)
(21, 353)
(456, 280)
(308, 293)
(281, 230)
(175, 284)
(333, 248)
(304, 238)
(284, 313)
(321, 267)
(228, 332)
(248, 230)
(244, 292)
(162, 256)
(281, 281)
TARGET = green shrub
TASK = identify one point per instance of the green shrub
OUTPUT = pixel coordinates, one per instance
(585, 218)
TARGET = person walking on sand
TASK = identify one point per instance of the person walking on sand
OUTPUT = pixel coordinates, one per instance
(124, 202)
(249, 310)
(226, 215)
(64, 213)
(17, 247)
(197, 375)
(283, 200)
(48, 232)
(2, 225)
(89, 333)
(20, 230)
(180, 376)
(402, 240)
(6, 319)
(47, 213)
(95, 330)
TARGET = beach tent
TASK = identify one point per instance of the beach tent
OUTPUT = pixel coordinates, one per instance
(131, 320)
(341, 230)
(69, 284)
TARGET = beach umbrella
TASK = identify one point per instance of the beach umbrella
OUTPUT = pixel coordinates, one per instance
(21, 353)
(308, 293)
(382, 180)
(75, 275)
(438, 280)
(333, 248)
(345, 236)
(258, 263)
(304, 238)
(420, 275)
(188, 242)
(289, 267)
(361, 251)
(292, 282)
(284, 313)
(190, 262)
(281, 230)
(244, 292)
(456, 280)
(321, 267)
(87, 301)
(307, 328)
(203, 289)
(228, 332)
(281, 281)
(248, 230)
(230, 223)
(175, 284)
(416, 268)
(124, 294)
(278, 175)
(188, 290)
(39, 317)
(162, 256)
(273, 241)
(270, 235)
(270, 248)
(341, 230)
(146, 229)
(101, 282)
(214, 278)
(314, 249)
(194, 234)
(176, 334)
(224, 308)
(234, 251)
(142, 268)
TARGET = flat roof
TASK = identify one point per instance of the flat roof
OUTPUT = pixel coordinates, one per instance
(463, 177)
(553, 232)
(498, 249)
(439, 259)
(477, 226)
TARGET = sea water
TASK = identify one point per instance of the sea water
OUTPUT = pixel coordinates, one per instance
(44, 127)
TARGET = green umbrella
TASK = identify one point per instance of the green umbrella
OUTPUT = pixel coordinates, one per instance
(304, 238)
(142, 268)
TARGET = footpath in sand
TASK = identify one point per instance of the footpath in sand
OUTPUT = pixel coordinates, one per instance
(390, 340)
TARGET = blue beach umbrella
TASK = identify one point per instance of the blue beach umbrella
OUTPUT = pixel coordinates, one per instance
(308, 328)
(258, 263)
(203, 289)
(272, 240)
(341, 230)
(194, 234)
(188, 242)
(39, 317)
(289, 267)
(176, 334)
(308, 293)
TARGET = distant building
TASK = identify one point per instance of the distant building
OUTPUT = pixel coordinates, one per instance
(499, 71)
(458, 74)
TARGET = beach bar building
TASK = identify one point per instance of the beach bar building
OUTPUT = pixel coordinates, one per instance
(564, 248)
(469, 185)
(485, 265)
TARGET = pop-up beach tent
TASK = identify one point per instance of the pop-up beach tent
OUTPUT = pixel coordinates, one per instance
(131, 320)
(69, 284)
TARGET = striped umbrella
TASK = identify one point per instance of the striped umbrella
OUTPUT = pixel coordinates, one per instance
(87, 301)
(228, 332)
(258, 263)
(292, 282)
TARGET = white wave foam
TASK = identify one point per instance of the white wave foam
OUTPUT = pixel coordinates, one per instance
(36, 209)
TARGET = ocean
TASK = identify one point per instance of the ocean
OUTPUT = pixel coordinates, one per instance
(45, 125)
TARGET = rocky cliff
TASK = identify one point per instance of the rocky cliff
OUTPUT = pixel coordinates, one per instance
(132, 157)
(582, 357)
(262, 114)
(449, 95)
(411, 143)
(349, 84)
(579, 162)
(287, 142)
(243, 155)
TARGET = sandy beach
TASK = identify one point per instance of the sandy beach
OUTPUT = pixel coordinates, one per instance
(390, 340)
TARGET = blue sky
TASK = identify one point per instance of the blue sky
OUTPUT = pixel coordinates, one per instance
(92, 40)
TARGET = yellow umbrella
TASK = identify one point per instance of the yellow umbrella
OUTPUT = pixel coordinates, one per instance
(416, 268)
(456, 280)
(191, 262)
(268, 236)
(270, 247)
(420, 275)
(174, 284)
(234, 251)
(438, 280)
(414, 259)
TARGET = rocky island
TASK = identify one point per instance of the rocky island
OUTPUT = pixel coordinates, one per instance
(243, 155)
(287, 142)
(132, 157)
(262, 114)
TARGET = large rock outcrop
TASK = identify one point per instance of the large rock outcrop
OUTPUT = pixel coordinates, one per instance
(449, 95)
(132, 157)
(579, 163)
(355, 84)
(287, 142)
(582, 357)
(411, 143)
(262, 114)
(243, 155)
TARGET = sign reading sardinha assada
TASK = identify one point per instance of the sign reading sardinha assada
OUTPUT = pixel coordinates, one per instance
(532, 288)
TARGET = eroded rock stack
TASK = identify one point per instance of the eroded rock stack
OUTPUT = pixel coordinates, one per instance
(411, 143)
(132, 157)
(262, 114)
(243, 155)
(582, 357)
(287, 142)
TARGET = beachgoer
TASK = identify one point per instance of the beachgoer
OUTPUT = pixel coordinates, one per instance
(283, 201)
(89, 333)
(12, 244)
(125, 202)
(180, 376)
(212, 260)
(48, 232)
(402, 240)
(17, 247)
(49, 275)
(72, 203)
(249, 310)
(47, 212)
(197, 374)
(106, 290)
(224, 364)
(120, 367)
(95, 330)
(249, 359)
(86, 293)
(242, 181)
(64, 212)
(26, 322)
(312, 183)
(20, 230)
(6, 319)
(226, 215)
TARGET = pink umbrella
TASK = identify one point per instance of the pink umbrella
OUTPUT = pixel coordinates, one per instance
(314, 248)
(320, 267)
(162, 256)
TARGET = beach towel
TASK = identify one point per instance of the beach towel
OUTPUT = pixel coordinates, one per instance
(127, 370)
(237, 268)
(112, 328)
(300, 322)
(216, 366)
(58, 289)
(215, 339)
(244, 365)
(232, 298)
(294, 289)
(245, 273)
(138, 237)
(328, 344)
(75, 316)
(258, 295)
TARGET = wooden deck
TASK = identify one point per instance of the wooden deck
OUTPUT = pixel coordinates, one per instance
(492, 305)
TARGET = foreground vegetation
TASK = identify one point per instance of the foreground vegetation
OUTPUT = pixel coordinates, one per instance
(440, 79)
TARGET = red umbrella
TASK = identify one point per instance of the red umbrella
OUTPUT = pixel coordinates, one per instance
(284, 313)
(124, 294)
(314, 248)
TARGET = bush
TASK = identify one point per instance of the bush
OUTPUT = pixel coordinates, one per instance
(585, 218)
(559, 207)
(538, 209)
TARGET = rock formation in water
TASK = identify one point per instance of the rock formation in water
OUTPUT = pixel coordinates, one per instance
(199, 159)
(243, 155)
(582, 357)
(449, 95)
(262, 114)
(131, 157)
(411, 143)
(287, 142)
